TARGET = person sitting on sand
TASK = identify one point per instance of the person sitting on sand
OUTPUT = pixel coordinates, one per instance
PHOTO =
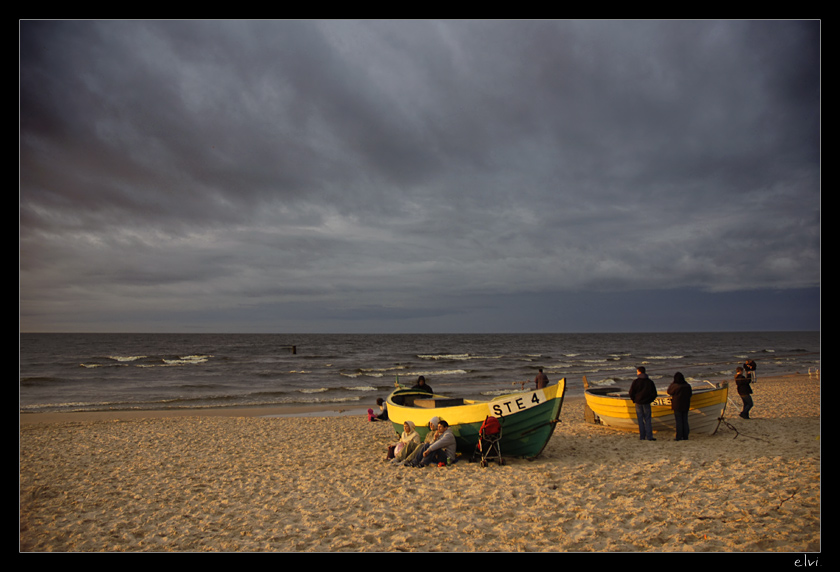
(383, 409)
(430, 438)
(409, 441)
(421, 385)
(442, 449)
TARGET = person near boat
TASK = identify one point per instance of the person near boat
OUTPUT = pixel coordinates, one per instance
(680, 392)
(383, 409)
(409, 441)
(642, 394)
(441, 450)
(411, 457)
(422, 386)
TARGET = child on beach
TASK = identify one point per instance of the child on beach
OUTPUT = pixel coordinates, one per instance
(749, 369)
(383, 411)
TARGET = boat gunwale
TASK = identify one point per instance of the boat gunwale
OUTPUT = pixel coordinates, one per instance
(466, 402)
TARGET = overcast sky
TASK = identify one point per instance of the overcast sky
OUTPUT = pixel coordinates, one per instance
(419, 176)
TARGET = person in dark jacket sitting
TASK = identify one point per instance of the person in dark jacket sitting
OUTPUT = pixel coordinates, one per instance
(642, 393)
(421, 385)
(680, 392)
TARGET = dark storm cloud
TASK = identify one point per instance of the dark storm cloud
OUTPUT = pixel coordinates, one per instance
(337, 169)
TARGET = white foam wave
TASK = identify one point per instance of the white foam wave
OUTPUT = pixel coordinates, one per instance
(602, 382)
(126, 358)
(439, 372)
(187, 360)
(456, 356)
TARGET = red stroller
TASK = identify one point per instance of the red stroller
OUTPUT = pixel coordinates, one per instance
(489, 435)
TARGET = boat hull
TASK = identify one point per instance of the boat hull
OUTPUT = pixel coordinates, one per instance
(616, 410)
(527, 418)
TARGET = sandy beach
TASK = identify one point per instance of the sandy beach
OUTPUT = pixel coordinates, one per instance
(238, 481)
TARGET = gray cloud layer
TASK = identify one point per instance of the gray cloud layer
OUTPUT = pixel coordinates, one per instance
(294, 173)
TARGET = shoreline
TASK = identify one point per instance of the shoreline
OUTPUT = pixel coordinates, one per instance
(134, 414)
(320, 410)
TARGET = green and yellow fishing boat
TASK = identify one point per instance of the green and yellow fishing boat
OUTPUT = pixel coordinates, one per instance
(527, 417)
(613, 407)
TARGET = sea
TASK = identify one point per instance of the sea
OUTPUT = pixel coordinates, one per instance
(119, 372)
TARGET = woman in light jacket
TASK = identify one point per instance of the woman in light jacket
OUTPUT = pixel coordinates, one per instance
(409, 441)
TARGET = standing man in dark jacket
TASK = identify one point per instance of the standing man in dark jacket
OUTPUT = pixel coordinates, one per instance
(680, 392)
(745, 391)
(642, 393)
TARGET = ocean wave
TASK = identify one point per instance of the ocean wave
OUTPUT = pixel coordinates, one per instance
(609, 381)
(187, 360)
(244, 370)
(457, 356)
(438, 372)
(373, 371)
(494, 392)
(128, 360)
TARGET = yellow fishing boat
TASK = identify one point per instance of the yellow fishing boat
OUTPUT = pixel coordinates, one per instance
(612, 407)
(527, 417)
